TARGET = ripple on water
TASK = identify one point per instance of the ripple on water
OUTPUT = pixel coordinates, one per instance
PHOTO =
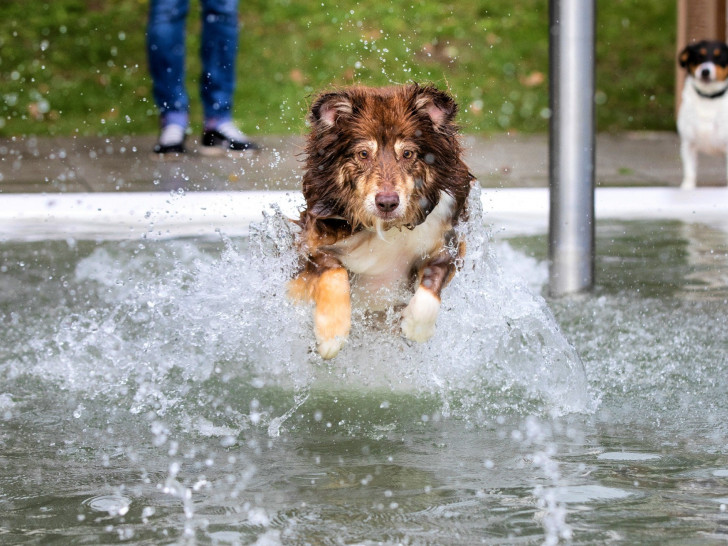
(627, 456)
(114, 505)
(589, 493)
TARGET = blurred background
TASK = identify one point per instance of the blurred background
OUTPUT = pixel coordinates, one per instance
(78, 67)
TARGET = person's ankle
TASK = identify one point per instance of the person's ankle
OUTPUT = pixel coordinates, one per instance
(175, 118)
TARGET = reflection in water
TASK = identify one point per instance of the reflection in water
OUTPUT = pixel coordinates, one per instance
(706, 253)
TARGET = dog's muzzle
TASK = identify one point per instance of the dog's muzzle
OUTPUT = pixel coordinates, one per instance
(706, 72)
(386, 201)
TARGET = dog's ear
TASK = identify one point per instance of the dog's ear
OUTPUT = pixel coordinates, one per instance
(438, 105)
(328, 108)
(684, 56)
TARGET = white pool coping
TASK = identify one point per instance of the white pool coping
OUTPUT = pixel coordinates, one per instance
(134, 215)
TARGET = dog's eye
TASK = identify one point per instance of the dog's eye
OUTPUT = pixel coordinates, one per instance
(363, 154)
(408, 154)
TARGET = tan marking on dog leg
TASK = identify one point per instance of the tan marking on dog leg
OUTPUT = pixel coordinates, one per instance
(418, 318)
(332, 316)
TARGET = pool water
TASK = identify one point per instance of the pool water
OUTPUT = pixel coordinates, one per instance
(166, 392)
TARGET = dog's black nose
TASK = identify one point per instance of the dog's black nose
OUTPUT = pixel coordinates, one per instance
(386, 201)
(705, 74)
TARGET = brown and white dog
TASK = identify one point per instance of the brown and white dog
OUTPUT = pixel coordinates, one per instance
(385, 186)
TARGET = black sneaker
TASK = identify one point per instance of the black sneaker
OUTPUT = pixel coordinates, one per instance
(171, 140)
(225, 138)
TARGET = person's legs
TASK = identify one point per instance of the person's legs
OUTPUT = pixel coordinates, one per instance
(218, 50)
(166, 53)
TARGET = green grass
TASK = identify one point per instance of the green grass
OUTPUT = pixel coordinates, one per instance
(79, 67)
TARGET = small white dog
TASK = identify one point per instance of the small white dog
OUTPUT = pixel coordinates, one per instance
(702, 121)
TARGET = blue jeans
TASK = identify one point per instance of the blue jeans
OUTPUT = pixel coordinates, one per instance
(218, 51)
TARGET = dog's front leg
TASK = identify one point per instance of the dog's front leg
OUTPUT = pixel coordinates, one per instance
(689, 156)
(418, 318)
(325, 282)
(332, 314)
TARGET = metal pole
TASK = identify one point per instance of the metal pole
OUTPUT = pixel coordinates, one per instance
(571, 146)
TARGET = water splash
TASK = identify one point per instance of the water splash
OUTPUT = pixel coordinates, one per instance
(497, 345)
(159, 318)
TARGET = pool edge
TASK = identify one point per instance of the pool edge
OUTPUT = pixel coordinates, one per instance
(134, 215)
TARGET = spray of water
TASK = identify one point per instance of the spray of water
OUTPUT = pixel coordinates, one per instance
(161, 319)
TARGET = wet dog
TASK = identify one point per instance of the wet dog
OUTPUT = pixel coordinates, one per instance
(702, 121)
(385, 186)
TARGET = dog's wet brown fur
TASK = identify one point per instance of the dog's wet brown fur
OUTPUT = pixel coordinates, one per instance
(398, 142)
(361, 114)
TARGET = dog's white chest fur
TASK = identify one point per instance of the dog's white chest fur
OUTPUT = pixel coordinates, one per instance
(386, 260)
(703, 121)
(703, 127)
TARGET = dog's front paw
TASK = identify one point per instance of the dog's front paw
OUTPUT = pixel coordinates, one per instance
(332, 315)
(688, 184)
(418, 318)
(332, 331)
(329, 348)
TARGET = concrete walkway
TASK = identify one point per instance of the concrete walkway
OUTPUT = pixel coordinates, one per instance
(87, 164)
(115, 188)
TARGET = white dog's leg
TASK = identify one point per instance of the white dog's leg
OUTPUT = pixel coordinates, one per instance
(689, 156)
(418, 318)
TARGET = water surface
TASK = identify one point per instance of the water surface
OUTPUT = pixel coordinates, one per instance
(166, 392)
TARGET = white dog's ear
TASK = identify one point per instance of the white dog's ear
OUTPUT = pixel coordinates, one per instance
(438, 105)
(329, 107)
